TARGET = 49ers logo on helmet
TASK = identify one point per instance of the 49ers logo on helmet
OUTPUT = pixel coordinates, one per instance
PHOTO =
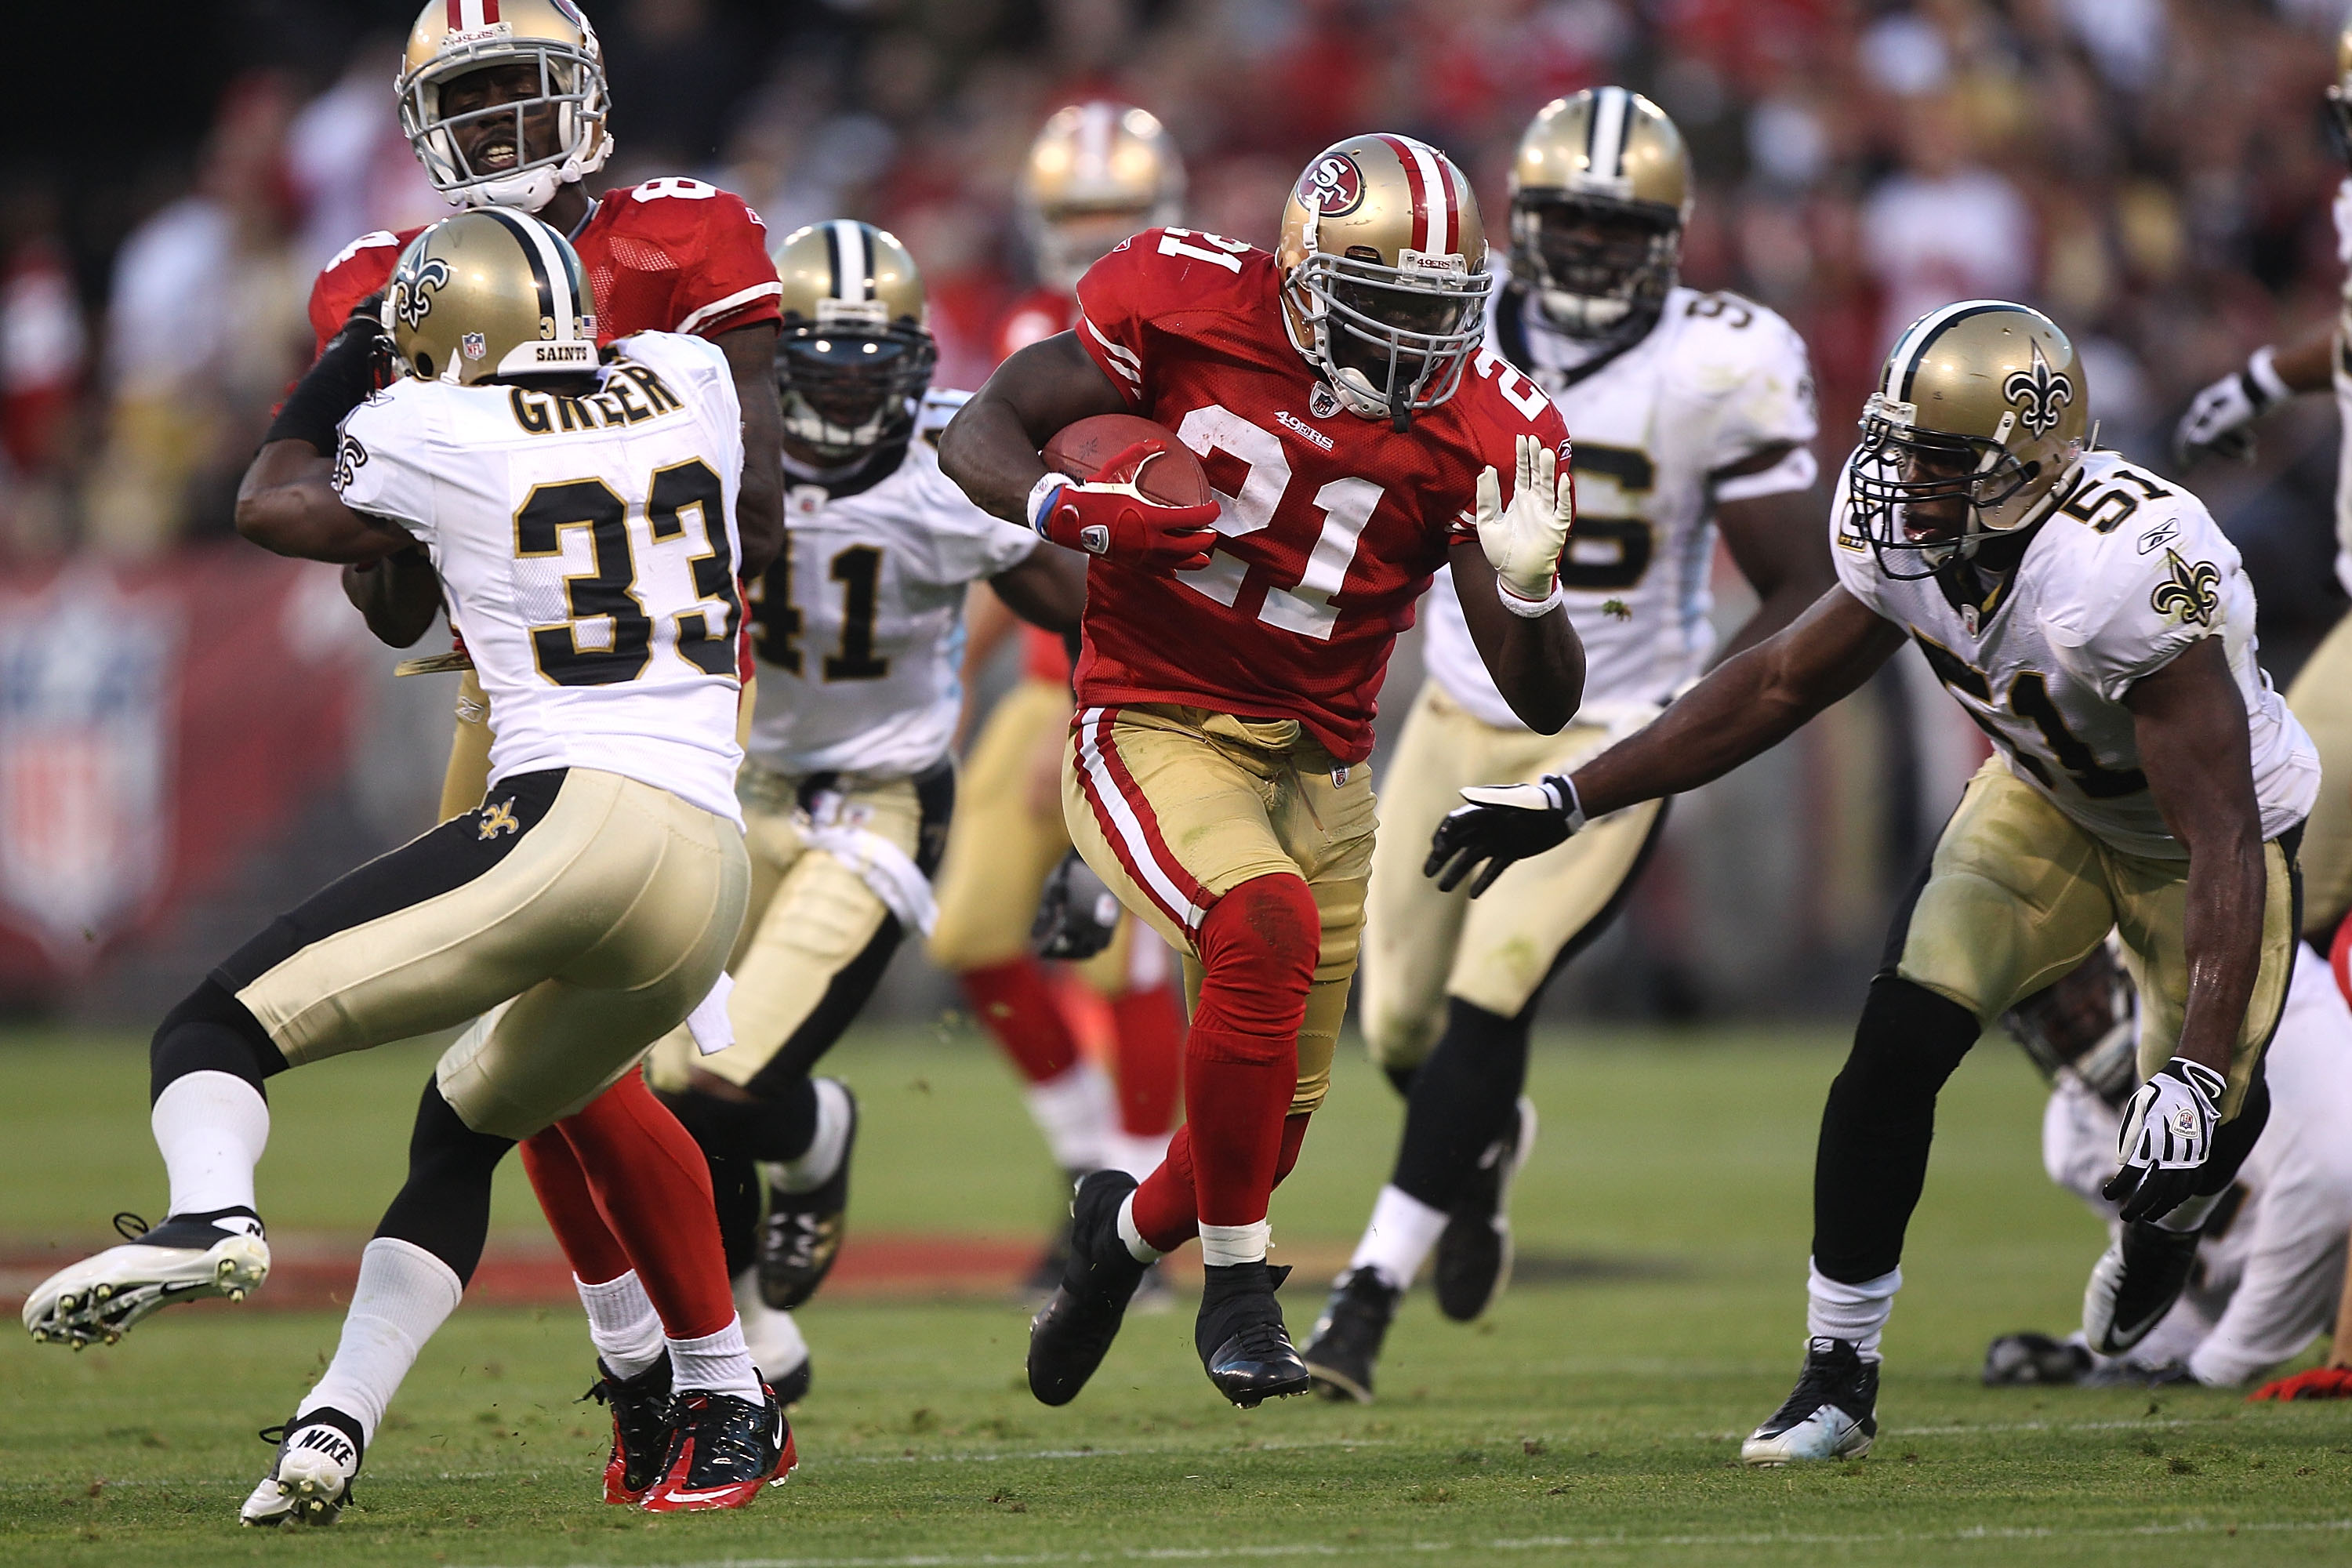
(1332, 185)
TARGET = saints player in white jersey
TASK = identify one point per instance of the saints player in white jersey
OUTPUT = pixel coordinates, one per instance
(2221, 421)
(848, 784)
(2270, 1265)
(2095, 623)
(579, 515)
(1692, 415)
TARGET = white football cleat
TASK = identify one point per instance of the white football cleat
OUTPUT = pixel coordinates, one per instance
(309, 1481)
(187, 1257)
(1832, 1414)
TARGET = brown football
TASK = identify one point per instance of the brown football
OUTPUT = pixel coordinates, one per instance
(1176, 478)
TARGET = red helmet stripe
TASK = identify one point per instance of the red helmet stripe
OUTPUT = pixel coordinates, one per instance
(1420, 192)
(456, 9)
(490, 12)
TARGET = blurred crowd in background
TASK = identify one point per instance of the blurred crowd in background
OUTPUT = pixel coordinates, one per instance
(2158, 174)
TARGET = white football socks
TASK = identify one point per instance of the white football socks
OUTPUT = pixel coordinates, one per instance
(1223, 1246)
(1399, 1239)
(1136, 1153)
(774, 1339)
(1138, 1248)
(715, 1363)
(819, 1161)
(1075, 1111)
(211, 1127)
(403, 1294)
(622, 1324)
(1856, 1313)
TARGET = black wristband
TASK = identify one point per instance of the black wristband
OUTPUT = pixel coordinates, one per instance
(340, 382)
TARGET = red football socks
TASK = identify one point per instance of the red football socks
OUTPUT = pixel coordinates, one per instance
(1165, 1215)
(595, 1255)
(1149, 1040)
(1014, 1001)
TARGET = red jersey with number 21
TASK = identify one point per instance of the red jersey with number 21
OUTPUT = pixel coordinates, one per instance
(667, 256)
(1331, 525)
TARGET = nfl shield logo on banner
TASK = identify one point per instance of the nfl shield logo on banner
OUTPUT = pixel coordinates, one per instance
(84, 727)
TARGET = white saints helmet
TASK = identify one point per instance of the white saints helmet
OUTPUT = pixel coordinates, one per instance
(552, 136)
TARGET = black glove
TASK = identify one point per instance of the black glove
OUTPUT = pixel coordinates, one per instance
(2165, 1138)
(1503, 824)
(350, 367)
(1078, 914)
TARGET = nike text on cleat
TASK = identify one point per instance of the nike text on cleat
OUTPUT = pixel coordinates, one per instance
(802, 1234)
(723, 1451)
(1239, 1336)
(1346, 1344)
(1831, 1414)
(641, 1428)
(2029, 1360)
(1472, 1262)
(2134, 1283)
(309, 1481)
(1071, 1334)
(187, 1257)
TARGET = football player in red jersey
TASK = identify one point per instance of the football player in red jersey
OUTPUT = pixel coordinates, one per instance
(1233, 655)
(505, 103)
(1096, 173)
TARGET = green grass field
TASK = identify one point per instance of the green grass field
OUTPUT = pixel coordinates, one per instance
(1593, 1419)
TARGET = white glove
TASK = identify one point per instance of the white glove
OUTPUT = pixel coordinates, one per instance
(2221, 418)
(2168, 1126)
(1523, 540)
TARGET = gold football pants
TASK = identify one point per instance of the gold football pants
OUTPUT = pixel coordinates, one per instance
(2017, 895)
(817, 936)
(576, 915)
(1173, 806)
(1422, 946)
(2322, 698)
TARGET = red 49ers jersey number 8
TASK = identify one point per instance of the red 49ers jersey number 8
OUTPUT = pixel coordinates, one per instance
(668, 256)
(1331, 525)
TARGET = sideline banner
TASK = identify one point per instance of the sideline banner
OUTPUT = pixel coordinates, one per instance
(158, 721)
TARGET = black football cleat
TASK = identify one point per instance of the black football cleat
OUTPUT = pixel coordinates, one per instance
(310, 1479)
(640, 1429)
(802, 1234)
(1239, 1336)
(723, 1451)
(1346, 1344)
(1832, 1415)
(2034, 1361)
(1071, 1334)
(1473, 1261)
(2135, 1284)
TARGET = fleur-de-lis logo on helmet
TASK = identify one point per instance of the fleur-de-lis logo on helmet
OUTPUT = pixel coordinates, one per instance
(2187, 591)
(2038, 393)
(410, 301)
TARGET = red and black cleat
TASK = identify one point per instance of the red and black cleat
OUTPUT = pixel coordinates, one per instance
(640, 1429)
(723, 1451)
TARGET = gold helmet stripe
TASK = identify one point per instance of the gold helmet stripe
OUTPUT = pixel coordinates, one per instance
(853, 267)
(1914, 343)
(1435, 227)
(1604, 133)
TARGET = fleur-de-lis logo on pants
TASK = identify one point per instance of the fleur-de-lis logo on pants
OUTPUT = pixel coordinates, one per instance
(2038, 393)
(498, 819)
(2187, 591)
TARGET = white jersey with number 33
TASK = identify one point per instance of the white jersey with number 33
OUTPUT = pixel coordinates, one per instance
(588, 548)
(2127, 572)
(1719, 380)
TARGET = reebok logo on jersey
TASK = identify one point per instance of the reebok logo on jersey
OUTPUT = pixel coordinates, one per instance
(1303, 430)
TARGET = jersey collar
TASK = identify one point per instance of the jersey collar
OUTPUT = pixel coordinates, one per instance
(1511, 329)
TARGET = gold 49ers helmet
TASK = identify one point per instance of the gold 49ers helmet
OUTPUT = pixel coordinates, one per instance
(519, 152)
(1384, 276)
(853, 356)
(1600, 189)
(489, 293)
(1098, 172)
(1979, 412)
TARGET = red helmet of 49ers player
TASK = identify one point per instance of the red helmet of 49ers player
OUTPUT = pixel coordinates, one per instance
(1383, 261)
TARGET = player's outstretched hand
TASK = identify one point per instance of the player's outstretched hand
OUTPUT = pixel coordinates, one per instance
(1523, 539)
(2221, 419)
(1503, 824)
(1109, 516)
(2167, 1135)
(2320, 1383)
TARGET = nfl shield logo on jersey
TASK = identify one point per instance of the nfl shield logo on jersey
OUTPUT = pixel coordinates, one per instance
(84, 694)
